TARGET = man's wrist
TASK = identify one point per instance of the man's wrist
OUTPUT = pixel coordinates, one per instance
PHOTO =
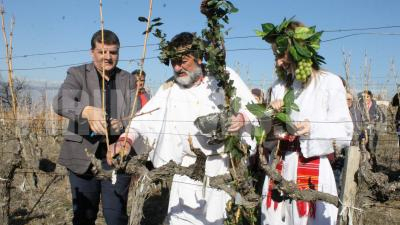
(243, 118)
(85, 112)
(123, 139)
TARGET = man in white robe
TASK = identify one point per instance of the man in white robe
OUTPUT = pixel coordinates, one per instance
(322, 123)
(191, 93)
(323, 103)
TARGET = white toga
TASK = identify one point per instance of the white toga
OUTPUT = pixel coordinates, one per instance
(323, 102)
(169, 127)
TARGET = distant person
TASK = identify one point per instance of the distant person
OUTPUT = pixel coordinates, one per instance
(372, 115)
(143, 96)
(395, 102)
(79, 99)
(373, 112)
(356, 117)
(340, 154)
(258, 95)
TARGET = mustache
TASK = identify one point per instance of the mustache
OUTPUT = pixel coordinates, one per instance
(107, 62)
(181, 71)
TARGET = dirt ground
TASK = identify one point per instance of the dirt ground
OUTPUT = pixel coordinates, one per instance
(40, 197)
(377, 211)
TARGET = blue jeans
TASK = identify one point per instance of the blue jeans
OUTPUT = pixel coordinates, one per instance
(86, 192)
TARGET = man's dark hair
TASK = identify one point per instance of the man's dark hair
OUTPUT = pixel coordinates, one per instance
(368, 92)
(137, 72)
(182, 39)
(186, 40)
(110, 38)
(343, 82)
(257, 92)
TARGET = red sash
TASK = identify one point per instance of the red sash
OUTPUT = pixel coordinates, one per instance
(143, 99)
(307, 178)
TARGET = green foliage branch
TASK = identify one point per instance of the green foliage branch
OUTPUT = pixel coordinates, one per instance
(211, 47)
(302, 43)
(215, 55)
(261, 112)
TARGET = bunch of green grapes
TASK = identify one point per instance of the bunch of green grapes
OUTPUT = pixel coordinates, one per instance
(304, 69)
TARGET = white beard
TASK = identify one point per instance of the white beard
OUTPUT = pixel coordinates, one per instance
(188, 81)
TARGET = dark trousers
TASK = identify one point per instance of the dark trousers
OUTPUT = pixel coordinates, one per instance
(86, 192)
(398, 130)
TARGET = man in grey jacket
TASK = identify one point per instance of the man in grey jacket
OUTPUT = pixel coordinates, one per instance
(80, 100)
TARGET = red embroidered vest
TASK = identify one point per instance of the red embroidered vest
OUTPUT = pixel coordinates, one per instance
(307, 178)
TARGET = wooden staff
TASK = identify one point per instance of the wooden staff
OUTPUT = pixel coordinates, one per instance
(9, 59)
(103, 74)
(140, 73)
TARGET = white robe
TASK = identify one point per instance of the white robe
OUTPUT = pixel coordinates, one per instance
(323, 102)
(169, 127)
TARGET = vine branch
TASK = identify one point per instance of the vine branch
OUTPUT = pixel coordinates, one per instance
(146, 37)
(103, 74)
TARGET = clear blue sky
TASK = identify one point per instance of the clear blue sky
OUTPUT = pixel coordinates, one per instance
(44, 26)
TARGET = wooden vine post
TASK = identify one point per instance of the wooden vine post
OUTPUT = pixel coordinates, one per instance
(140, 187)
(8, 47)
(149, 26)
(7, 172)
(103, 74)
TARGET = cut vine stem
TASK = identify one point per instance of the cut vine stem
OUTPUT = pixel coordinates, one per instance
(8, 47)
(103, 75)
(133, 111)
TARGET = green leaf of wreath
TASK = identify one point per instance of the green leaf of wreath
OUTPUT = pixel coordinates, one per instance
(267, 28)
(302, 33)
(282, 43)
(293, 53)
(260, 33)
(283, 25)
(302, 50)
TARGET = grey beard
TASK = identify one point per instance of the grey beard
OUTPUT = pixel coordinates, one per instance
(191, 77)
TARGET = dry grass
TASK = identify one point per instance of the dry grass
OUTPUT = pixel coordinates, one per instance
(48, 193)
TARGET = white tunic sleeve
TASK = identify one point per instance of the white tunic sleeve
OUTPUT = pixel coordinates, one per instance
(330, 120)
(246, 97)
(148, 129)
(323, 103)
